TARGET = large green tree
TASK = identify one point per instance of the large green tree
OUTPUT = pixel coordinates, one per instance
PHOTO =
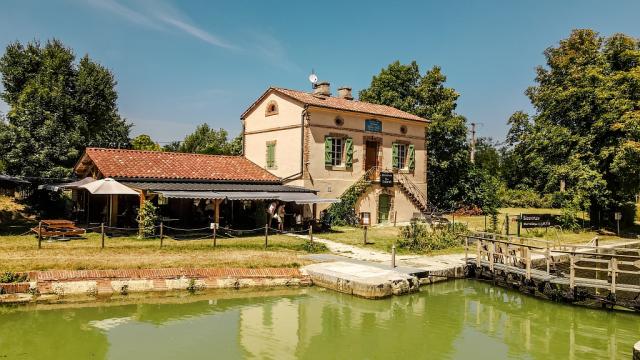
(585, 133)
(452, 179)
(205, 140)
(144, 142)
(57, 108)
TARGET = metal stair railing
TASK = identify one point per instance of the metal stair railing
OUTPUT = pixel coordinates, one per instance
(412, 189)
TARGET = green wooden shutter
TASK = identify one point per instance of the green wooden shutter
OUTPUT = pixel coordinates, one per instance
(327, 151)
(348, 149)
(271, 155)
(394, 156)
(412, 157)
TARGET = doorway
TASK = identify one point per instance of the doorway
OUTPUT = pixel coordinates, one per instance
(384, 205)
(371, 155)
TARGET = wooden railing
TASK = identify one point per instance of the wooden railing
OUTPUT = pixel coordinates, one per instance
(516, 254)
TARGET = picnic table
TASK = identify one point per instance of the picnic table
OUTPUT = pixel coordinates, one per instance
(58, 228)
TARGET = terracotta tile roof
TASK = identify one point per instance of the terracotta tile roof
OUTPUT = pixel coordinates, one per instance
(337, 103)
(136, 164)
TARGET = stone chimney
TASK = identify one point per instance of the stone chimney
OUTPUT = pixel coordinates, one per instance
(322, 89)
(345, 93)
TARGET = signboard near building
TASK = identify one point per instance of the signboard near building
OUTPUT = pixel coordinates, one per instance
(528, 221)
(386, 179)
(373, 125)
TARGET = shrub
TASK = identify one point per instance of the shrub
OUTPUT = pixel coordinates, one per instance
(418, 237)
(524, 198)
(11, 277)
(147, 218)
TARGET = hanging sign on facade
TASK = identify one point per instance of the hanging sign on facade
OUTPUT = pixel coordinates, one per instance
(386, 179)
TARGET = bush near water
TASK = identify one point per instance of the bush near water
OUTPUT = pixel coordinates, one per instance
(418, 236)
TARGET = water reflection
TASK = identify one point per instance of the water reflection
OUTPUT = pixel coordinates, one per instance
(453, 320)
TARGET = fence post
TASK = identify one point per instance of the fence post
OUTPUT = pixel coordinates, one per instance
(393, 256)
(547, 254)
(365, 234)
(572, 272)
(491, 249)
(311, 234)
(266, 235)
(215, 225)
(528, 263)
(478, 252)
(161, 233)
(102, 235)
(519, 224)
(614, 271)
(506, 223)
(40, 235)
(466, 250)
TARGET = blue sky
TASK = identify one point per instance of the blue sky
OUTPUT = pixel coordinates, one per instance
(182, 63)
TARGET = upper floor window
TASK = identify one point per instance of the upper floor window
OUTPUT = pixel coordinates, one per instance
(338, 151)
(272, 108)
(404, 157)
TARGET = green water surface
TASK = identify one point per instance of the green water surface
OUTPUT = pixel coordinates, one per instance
(453, 320)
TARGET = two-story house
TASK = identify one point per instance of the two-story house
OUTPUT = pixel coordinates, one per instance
(330, 143)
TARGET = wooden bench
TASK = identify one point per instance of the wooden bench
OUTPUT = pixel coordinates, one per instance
(58, 228)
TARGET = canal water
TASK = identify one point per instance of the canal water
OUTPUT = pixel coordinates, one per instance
(454, 320)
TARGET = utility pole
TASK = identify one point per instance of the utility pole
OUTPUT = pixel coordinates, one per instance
(473, 143)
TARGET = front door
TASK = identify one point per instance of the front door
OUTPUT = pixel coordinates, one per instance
(371, 155)
(384, 205)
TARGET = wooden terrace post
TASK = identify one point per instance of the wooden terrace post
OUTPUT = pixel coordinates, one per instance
(40, 235)
(141, 224)
(102, 235)
(161, 232)
(311, 233)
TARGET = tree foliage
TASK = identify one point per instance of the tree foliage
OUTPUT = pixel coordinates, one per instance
(57, 107)
(452, 180)
(586, 129)
(205, 140)
(144, 142)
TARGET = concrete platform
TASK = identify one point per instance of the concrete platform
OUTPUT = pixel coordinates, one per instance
(364, 280)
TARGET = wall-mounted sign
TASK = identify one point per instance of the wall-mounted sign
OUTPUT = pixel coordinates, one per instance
(537, 220)
(373, 125)
(386, 179)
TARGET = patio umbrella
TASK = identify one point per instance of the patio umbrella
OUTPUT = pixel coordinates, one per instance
(77, 184)
(110, 187)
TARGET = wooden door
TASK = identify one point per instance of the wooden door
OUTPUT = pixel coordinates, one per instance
(371, 155)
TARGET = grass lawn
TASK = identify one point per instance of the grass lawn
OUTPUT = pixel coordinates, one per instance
(21, 253)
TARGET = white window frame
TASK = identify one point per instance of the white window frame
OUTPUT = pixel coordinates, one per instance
(337, 148)
(403, 150)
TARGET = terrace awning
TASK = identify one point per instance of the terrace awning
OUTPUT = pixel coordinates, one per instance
(305, 198)
(192, 195)
(297, 197)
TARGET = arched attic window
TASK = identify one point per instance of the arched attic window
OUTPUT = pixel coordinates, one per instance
(272, 108)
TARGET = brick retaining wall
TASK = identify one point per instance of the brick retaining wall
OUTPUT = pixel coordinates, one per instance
(108, 282)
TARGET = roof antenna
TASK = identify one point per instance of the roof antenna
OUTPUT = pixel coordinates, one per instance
(313, 79)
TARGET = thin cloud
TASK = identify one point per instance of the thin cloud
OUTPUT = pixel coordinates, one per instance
(271, 49)
(156, 15)
(195, 32)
